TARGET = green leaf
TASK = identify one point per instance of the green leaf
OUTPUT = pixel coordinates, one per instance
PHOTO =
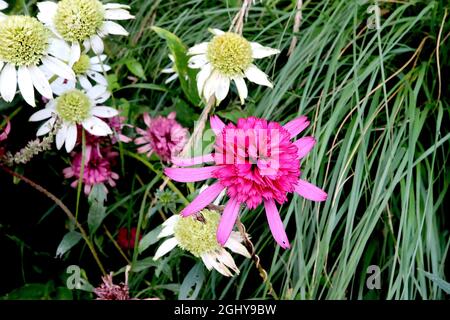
(144, 264)
(149, 86)
(68, 242)
(149, 239)
(32, 291)
(187, 76)
(444, 285)
(135, 68)
(192, 283)
(97, 209)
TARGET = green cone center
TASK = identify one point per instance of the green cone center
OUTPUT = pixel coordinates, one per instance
(73, 106)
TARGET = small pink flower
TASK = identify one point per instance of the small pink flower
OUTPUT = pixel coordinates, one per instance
(256, 162)
(117, 124)
(108, 290)
(97, 168)
(164, 136)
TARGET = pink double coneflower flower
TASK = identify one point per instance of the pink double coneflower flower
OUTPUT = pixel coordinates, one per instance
(256, 162)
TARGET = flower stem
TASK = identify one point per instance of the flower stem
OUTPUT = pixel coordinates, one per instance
(63, 208)
(255, 258)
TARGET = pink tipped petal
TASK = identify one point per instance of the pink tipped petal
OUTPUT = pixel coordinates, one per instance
(182, 162)
(203, 199)
(190, 174)
(216, 124)
(297, 125)
(227, 221)
(310, 191)
(304, 146)
(275, 224)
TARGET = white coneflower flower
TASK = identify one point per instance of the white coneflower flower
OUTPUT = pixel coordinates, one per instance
(197, 234)
(86, 69)
(76, 107)
(25, 45)
(84, 21)
(228, 56)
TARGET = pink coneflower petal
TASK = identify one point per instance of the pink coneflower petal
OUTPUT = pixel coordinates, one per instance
(181, 162)
(216, 124)
(190, 174)
(203, 199)
(297, 125)
(275, 224)
(310, 191)
(227, 221)
(304, 146)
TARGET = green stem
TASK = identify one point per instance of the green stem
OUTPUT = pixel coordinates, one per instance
(80, 179)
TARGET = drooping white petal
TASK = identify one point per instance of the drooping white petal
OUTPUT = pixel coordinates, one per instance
(260, 51)
(96, 127)
(58, 67)
(115, 6)
(46, 127)
(166, 231)
(171, 78)
(97, 77)
(222, 88)
(100, 68)
(3, 5)
(241, 88)
(97, 44)
(225, 257)
(211, 85)
(26, 85)
(165, 247)
(85, 83)
(216, 32)
(118, 14)
(41, 115)
(234, 244)
(61, 135)
(200, 48)
(202, 76)
(71, 137)
(171, 221)
(96, 91)
(104, 112)
(257, 76)
(60, 85)
(40, 82)
(110, 27)
(198, 61)
(75, 53)
(59, 48)
(8, 82)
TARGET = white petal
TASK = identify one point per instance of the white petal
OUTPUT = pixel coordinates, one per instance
(96, 60)
(235, 245)
(40, 82)
(97, 77)
(96, 127)
(87, 45)
(241, 88)
(210, 85)
(165, 232)
(260, 51)
(198, 61)
(96, 91)
(47, 10)
(60, 85)
(105, 96)
(71, 137)
(207, 261)
(223, 86)
(85, 83)
(257, 76)
(100, 68)
(202, 76)
(41, 115)
(110, 27)
(118, 14)
(26, 85)
(59, 48)
(200, 48)
(3, 5)
(8, 82)
(59, 68)
(171, 78)
(165, 247)
(170, 222)
(61, 136)
(104, 112)
(225, 257)
(75, 53)
(46, 127)
(97, 44)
